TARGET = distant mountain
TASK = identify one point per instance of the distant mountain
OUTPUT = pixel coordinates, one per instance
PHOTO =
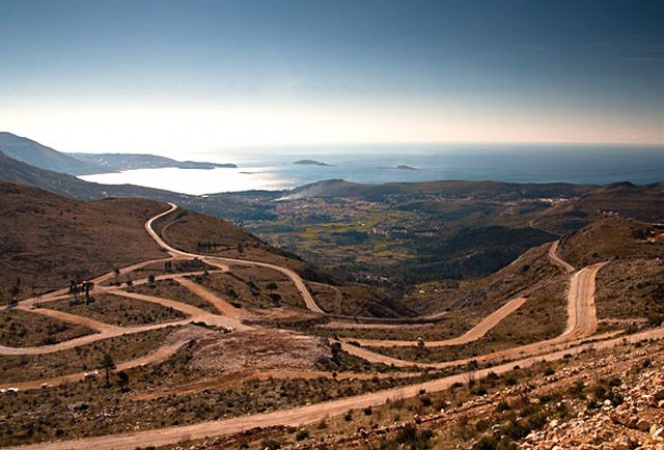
(19, 172)
(115, 162)
(448, 188)
(38, 155)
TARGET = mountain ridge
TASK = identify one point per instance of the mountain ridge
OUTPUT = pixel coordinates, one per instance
(36, 154)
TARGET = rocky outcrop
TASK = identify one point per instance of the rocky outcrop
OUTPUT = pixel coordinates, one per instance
(636, 422)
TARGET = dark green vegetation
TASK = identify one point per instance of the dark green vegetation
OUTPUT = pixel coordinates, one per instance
(403, 233)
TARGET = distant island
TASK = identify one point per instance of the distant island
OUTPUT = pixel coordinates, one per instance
(403, 167)
(311, 162)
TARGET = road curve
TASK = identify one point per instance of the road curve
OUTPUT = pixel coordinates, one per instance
(474, 334)
(295, 278)
(581, 323)
(162, 353)
(553, 256)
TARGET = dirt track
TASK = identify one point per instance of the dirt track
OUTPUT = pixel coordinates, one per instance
(474, 334)
(308, 414)
(215, 260)
(581, 323)
(553, 256)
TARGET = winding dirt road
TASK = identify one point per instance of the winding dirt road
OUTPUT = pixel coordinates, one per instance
(312, 413)
(474, 334)
(582, 322)
(295, 278)
(553, 256)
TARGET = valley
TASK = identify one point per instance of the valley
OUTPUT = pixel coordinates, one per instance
(434, 315)
(332, 225)
(293, 353)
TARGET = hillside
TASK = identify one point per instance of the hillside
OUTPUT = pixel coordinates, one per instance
(448, 188)
(211, 342)
(38, 155)
(402, 233)
(14, 171)
(115, 162)
(49, 240)
(611, 238)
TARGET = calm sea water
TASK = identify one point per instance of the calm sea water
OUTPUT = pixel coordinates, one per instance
(273, 169)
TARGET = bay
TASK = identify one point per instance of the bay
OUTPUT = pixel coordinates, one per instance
(274, 169)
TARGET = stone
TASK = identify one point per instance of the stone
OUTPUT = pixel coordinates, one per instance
(623, 443)
(643, 425)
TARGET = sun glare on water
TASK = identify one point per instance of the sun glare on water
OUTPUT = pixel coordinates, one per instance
(195, 181)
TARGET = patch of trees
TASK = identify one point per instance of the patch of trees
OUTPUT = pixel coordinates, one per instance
(350, 237)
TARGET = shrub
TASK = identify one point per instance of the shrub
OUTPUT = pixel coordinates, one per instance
(409, 437)
(577, 390)
(486, 443)
(302, 435)
(503, 406)
(479, 391)
(270, 444)
(515, 429)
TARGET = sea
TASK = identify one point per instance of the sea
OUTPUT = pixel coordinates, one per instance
(275, 168)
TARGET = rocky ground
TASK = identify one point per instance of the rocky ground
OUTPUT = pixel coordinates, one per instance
(633, 418)
(612, 400)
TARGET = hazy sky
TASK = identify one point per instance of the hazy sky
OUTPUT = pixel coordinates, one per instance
(116, 75)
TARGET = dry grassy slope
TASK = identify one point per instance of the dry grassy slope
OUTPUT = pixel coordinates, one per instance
(48, 239)
(644, 203)
(199, 233)
(521, 277)
(609, 238)
(630, 286)
(631, 289)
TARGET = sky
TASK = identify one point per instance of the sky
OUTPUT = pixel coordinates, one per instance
(159, 75)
